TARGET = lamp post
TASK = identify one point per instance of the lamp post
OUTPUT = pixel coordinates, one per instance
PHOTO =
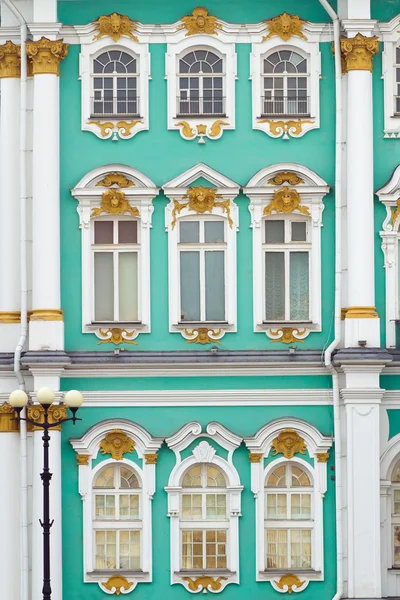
(46, 396)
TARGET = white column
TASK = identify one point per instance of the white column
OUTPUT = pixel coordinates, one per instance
(46, 322)
(9, 506)
(362, 322)
(10, 316)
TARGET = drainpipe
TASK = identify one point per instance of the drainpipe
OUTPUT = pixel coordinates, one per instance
(24, 301)
(338, 294)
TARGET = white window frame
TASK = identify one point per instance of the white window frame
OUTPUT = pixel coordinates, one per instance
(261, 444)
(391, 40)
(178, 46)
(204, 453)
(309, 49)
(261, 193)
(140, 196)
(175, 190)
(91, 49)
(89, 444)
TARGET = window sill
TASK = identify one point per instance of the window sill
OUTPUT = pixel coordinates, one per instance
(123, 324)
(204, 572)
(113, 117)
(294, 324)
(276, 572)
(191, 324)
(294, 116)
(110, 572)
(201, 115)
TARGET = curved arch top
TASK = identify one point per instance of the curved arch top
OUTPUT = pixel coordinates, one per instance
(95, 176)
(262, 177)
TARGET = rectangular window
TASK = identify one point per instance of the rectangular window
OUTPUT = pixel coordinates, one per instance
(116, 271)
(117, 550)
(396, 546)
(288, 548)
(204, 549)
(202, 252)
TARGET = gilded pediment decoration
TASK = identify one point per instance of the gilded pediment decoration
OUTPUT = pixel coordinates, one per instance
(285, 177)
(118, 179)
(114, 202)
(286, 201)
(117, 443)
(200, 21)
(288, 443)
(285, 26)
(201, 200)
(115, 26)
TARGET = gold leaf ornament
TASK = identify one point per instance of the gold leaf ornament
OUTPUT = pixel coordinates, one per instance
(288, 443)
(115, 26)
(117, 443)
(10, 60)
(395, 212)
(285, 177)
(114, 202)
(118, 583)
(285, 26)
(216, 128)
(117, 336)
(285, 128)
(203, 335)
(290, 583)
(201, 199)
(187, 130)
(204, 583)
(286, 201)
(287, 335)
(115, 178)
(359, 51)
(200, 21)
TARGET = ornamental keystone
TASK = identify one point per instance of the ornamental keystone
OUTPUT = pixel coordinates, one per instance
(116, 443)
(10, 60)
(359, 51)
(8, 424)
(45, 56)
(288, 443)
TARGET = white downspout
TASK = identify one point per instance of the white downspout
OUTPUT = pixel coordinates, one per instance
(24, 301)
(338, 294)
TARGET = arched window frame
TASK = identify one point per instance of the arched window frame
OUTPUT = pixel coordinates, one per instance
(261, 189)
(260, 446)
(146, 448)
(390, 63)
(309, 49)
(139, 193)
(123, 127)
(201, 126)
(227, 191)
(204, 453)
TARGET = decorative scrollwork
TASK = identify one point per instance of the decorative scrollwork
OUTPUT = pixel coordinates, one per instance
(117, 585)
(200, 21)
(204, 583)
(201, 200)
(285, 177)
(117, 336)
(115, 26)
(288, 443)
(284, 128)
(203, 335)
(115, 178)
(114, 202)
(395, 212)
(286, 201)
(285, 26)
(290, 583)
(287, 335)
(117, 443)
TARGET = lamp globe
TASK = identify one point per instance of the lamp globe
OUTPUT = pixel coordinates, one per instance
(18, 399)
(73, 399)
(46, 396)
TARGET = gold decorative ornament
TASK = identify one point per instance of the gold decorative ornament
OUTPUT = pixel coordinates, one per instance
(117, 336)
(201, 200)
(359, 51)
(56, 412)
(124, 127)
(117, 443)
(82, 459)
(45, 56)
(290, 581)
(200, 21)
(361, 312)
(203, 335)
(204, 583)
(46, 314)
(7, 419)
(285, 128)
(255, 457)
(115, 26)
(288, 443)
(216, 128)
(201, 129)
(287, 335)
(105, 127)
(286, 201)
(10, 60)
(10, 317)
(285, 26)
(187, 131)
(117, 583)
(115, 178)
(395, 212)
(343, 312)
(114, 202)
(322, 457)
(151, 459)
(285, 177)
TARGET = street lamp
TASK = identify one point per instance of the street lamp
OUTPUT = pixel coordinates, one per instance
(46, 396)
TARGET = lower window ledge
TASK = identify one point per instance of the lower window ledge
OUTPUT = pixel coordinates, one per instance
(209, 580)
(116, 333)
(288, 581)
(288, 332)
(97, 575)
(202, 333)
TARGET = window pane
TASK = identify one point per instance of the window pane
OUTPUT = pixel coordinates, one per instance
(214, 231)
(105, 507)
(192, 477)
(191, 506)
(215, 478)
(128, 506)
(128, 286)
(127, 232)
(215, 549)
(192, 549)
(299, 292)
(277, 478)
(215, 286)
(103, 232)
(299, 477)
(274, 232)
(106, 550)
(275, 506)
(105, 479)
(300, 548)
(276, 542)
(189, 231)
(396, 501)
(299, 231)
(103, 286)
(129, 550)
(215, 506)
(301, 506)
(128, 479)
(190, 286)
(396, 545)
(274, 286)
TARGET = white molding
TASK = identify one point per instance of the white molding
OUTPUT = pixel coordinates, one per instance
(91, 48)
(89, 444)
(205, 453)
(175, 189)
(312, 192)
(89, 196)
(388, 460)
(391, 39)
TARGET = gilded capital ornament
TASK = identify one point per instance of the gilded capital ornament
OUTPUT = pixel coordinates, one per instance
(322, 457)
(255, 457)
(285, 26)
(288, 443)
(200, 21)
(151, 459)
(285, 201)
(116, 443)
(57, 412)
(114, 202)
(45, 56)
(7, 419)
(359, 51)
(82, 459)
(10, 60)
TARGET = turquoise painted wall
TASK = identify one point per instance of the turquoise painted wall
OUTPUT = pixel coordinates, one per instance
(241, 421)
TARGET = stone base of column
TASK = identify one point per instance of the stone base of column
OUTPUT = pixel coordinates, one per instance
(46, 335)
(359, 328)
(9, 336)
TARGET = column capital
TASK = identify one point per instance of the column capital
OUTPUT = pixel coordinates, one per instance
(358, 52)
(7, 416)
(45, 56)
(56, 413)
(10, 60)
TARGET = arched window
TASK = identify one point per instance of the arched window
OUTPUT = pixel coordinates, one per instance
(115, 85)
(117, 520)
(201, 84)
(288, 518)
(204, 521)
(285, 84)
(396, 516)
